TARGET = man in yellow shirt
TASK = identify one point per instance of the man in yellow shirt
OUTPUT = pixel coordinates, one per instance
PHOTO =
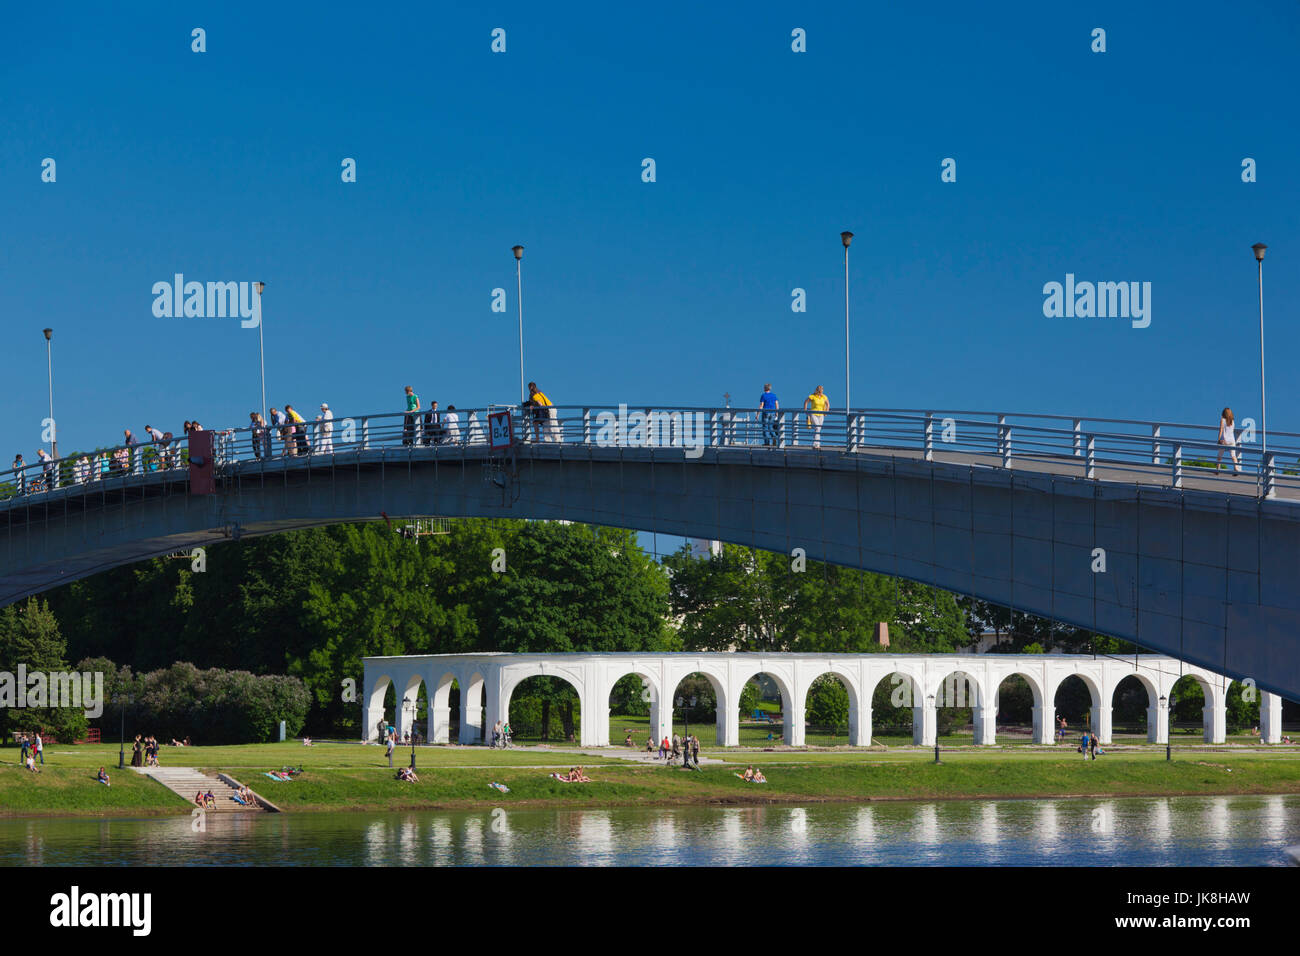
(819, 404)
(544, 410)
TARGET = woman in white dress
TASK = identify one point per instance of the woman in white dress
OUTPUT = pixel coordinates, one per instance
(1228, 441)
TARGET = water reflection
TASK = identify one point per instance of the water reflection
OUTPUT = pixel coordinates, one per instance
(1139, 831)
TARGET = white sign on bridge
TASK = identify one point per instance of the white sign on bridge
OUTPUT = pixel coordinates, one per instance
(502, 430)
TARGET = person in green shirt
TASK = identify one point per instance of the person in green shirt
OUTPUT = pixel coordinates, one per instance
(412, 406)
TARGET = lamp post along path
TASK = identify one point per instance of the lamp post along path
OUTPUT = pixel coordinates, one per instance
(1259, 248)
(261, 354)
(846, 238)
(49, 360)
(519, 295)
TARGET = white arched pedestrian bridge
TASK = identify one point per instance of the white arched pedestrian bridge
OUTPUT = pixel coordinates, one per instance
(1124, 528)
(923, 681)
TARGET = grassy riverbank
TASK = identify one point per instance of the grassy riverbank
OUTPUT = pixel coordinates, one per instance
(352, 777)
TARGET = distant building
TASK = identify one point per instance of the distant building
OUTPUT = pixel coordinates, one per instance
(704, 547)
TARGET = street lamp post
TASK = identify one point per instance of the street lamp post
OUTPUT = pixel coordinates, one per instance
(261, 354)
(519, 295)
(49, 361)
(935, 712)
(846, 238)
(1259, 248)
(123, 700)
(1167, 704)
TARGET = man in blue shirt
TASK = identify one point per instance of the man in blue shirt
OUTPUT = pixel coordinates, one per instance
(768, 405)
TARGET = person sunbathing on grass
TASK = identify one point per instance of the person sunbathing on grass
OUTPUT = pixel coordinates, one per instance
(748, 775)
(577, 776)
(758, 777)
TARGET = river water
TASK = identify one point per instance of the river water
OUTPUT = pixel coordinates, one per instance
(1162, 831)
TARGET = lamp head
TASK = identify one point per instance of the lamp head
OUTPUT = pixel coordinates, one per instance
(48, 333)
(846, 238)
(518, 251)
(1259, 248)
(259, 286)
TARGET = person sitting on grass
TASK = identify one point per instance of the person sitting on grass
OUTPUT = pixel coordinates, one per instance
(102, 777)
(577, 776)
(31, 764)
(306, 741)
(628, 742)
(758, 777)
(749, 774)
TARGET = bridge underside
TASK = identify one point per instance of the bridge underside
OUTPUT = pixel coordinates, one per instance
(1203, 576)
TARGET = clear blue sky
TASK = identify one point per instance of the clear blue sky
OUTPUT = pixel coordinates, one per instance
(226, 166)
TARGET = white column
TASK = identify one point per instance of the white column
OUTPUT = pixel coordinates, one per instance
(592, 715)
(1270, 718)
(925, 723)
(860, 722)
(439, 724)
(1214, 720)
(405, 718)
(793, 718)
(494, 705)
(729, 719)
(471, 713)
(1044, 724)
(986, 725)
(661, 716)
(1160, 712)
(1101, 723)
(370, 728)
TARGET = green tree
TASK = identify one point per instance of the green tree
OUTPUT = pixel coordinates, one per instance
(30, 639)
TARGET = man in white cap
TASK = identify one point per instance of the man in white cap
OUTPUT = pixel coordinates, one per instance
(325, 431)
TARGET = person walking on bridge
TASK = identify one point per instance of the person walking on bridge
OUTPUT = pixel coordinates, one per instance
(819, 404)
(1228, 441)
(47, 468)
(325, 431)
(159, 444)
(544, 424)
(298, 428)
(131, 459)
(408, 423)
(769, 406)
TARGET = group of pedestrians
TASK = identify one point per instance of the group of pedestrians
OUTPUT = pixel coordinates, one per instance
(434, 427)
(144, 752)
(686, 749)
(33, 749)
(292, 431)
(816, 405)
(1090, 745)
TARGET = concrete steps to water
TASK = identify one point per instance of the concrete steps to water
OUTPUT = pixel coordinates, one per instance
(187, 781)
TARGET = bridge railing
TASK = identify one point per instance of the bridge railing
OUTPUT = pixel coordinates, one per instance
(1153, 453)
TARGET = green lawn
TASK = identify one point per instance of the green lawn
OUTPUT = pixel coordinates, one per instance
(344, 776)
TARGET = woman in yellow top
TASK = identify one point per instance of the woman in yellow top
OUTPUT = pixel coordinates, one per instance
(819, 404)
